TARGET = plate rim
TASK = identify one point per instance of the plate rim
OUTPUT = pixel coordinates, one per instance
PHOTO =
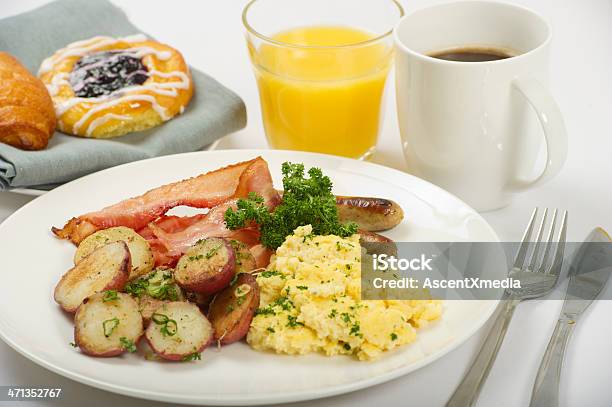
(294, 396)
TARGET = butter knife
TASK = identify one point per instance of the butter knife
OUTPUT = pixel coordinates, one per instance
(589, 272)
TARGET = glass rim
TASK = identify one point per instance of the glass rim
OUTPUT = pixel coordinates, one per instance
(256, 33)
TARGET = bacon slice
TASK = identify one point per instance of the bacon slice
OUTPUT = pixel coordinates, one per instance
(204, 191)
(169, 224)
(170, 236)
(211, 225)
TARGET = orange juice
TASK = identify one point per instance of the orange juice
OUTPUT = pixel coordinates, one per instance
(321, 89)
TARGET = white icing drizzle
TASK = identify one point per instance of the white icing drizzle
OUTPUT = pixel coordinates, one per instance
(184, 77)
(56, 82)
(103, 120)
(139, 52)
(81, 48)
(63, 107)
(160, 110)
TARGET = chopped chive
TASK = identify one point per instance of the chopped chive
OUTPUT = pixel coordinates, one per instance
(127, 344)
(110, 295)
(109, 326)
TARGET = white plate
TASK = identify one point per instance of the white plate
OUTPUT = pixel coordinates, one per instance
(33, 261)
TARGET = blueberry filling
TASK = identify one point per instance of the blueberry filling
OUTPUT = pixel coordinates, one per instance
(105, 72)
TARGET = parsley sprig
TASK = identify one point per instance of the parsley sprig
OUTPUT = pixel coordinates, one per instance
(306, 201)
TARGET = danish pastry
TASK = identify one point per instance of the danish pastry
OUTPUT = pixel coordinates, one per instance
(27, 119)
(106, 87)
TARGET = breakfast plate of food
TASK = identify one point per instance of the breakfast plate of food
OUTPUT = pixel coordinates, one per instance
(228, 277)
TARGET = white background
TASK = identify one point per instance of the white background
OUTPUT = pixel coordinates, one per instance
(210, 35)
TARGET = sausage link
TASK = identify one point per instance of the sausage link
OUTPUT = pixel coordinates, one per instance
(371, 214)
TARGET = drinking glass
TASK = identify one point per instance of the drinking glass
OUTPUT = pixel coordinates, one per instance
(321, 68)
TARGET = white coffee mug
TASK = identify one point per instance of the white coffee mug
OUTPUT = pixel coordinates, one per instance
(474, 128)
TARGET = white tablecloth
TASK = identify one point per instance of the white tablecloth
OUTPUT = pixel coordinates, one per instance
(210, 35)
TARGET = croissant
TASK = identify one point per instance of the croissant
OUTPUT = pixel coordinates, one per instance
(27, 116)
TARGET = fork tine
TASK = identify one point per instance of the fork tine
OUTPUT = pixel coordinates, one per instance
(519, 260)
(555, 267)
(538, 244)
(549, 240)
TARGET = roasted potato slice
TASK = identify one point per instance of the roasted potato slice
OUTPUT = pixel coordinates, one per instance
(200, 299)
(107, 324)
(106, 268)
(140, 251)
(232, 309)
(179, 331)
(245, 262)
(207, 267)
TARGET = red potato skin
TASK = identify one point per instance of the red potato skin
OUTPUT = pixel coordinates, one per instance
(173, 357)
(118, 283)
(199, 299)
(239, 322)
(215, 282)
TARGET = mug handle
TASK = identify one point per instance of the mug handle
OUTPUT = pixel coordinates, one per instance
(552, 123)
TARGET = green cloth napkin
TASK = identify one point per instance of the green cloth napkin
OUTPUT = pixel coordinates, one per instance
(213, 112)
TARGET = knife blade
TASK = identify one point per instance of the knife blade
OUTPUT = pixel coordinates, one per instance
(589, 272)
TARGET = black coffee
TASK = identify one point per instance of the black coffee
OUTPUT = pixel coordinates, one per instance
(471, 54)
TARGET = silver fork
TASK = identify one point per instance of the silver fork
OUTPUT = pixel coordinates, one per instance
(537, 277)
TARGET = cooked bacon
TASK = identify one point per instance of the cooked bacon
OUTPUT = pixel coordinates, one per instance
(161, 256)
(170, 224)
(171, 236)
(204, 191)
(165, 256)
(211, 225)
(76, 229)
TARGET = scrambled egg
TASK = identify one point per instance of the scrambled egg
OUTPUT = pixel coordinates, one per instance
(310, 302)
